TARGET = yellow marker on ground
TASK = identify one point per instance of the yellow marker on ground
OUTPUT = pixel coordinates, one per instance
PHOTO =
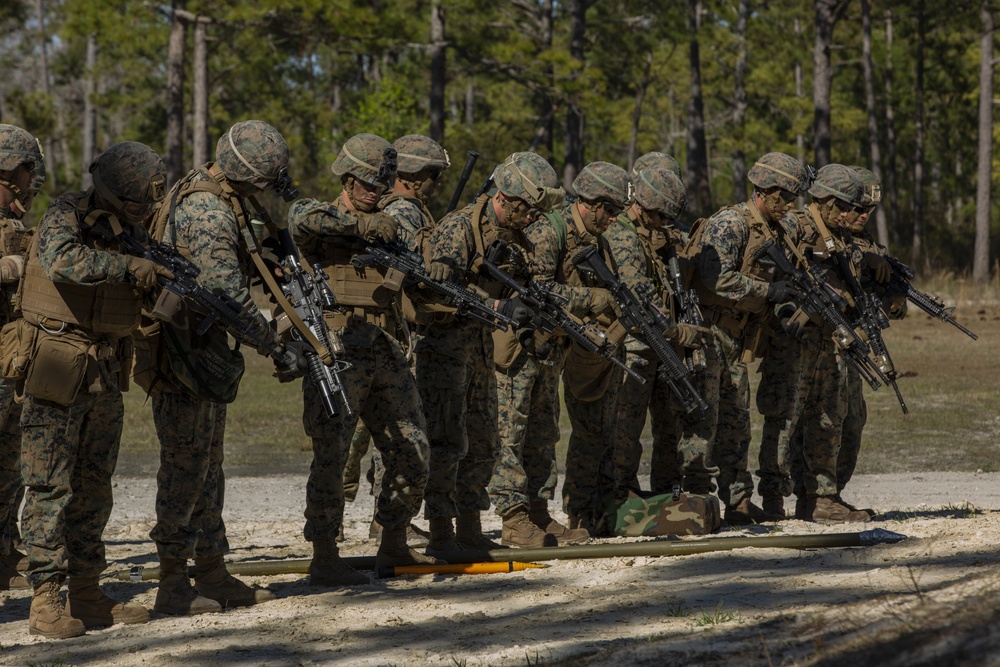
(458, 568)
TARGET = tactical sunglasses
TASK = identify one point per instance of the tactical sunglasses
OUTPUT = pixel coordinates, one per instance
(846, 207)
(612, 209)
(787, 196)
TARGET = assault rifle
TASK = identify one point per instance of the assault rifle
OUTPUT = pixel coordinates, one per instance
(688, 308)
(394, 256)
(871, 320)
(820, 300)
(549, 313)
(933, 306)
(216, 305)
(310, 295)
(650, 324)
(463, 178)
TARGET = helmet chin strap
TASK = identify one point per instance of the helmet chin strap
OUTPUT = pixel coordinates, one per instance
(17, 207)
(360, 206)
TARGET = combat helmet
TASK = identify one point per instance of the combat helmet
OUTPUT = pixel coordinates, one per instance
(368, 158)
(840, 182)
(657, 159)
(658, 190)
(779, 170)
(529, 177)
(872, 185)
(131, 178)
(415, 153)
(18, 147)
(603, 180)
(253, 152)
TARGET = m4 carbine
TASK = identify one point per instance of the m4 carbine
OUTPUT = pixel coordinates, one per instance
(899, 283)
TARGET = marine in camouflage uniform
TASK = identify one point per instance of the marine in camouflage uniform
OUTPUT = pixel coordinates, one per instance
(379, 386)
(822, 385)
(420, 163)
(206, 216)
(642, 240)
(735, 293)
(590, 383)
(527, 379)
(78, 334)
(22, 173)
(455, 365)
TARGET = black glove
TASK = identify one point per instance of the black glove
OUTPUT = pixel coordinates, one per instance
(780, 292)
(292, 363)
(515, 309)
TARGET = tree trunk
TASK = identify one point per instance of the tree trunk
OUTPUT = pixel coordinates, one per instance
(822, 79)
(90, 112)
(438, 71)
(470, 103)
(51, 166)
(640, 93)
(175, 94)
(874, 152)
(699, 183)
(916, 251)
(548, 105)
(981, 253)
(573, 154)
(800, 140)
(740, 102)
(890, 133)
(200, 149)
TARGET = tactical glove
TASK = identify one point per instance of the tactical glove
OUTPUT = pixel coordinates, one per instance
(11, 269)
(378, 227)
(780, 292)
(600, 302)
(515, 309)
(897, 306)
(292, 364)
(879, 266)
(145, 271)
(439, 272)
(688, 335)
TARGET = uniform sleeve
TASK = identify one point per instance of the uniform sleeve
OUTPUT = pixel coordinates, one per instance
(547, 258)
(452, 241)
(310, 220)
(65, 258)
(720, 258)
(208, 228)
(410, 221)
(626, 248)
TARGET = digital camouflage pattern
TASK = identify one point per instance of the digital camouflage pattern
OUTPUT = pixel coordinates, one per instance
(659, 191)
(663, 514)
(840, 182)
(779, 401)
(130, 177)
(657, 159)
(411, 214)
(361, 156)
(720, 258)
(415, 152)
(854, 425)
(779, 170)
(17, 146)
(602, 181)
(10, 467)
(252, 152)
(380, 389)
(529, 177)
(872, 194)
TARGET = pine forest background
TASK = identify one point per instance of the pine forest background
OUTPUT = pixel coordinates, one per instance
(903, 88)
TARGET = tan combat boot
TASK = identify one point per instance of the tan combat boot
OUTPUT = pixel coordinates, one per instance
(867, 510)
(89, 604)
(539, 515)
(826, 509)
(773, 504)
(746, 513)
(329, 569)
(48, 617)
(175, 596)
(442, 539)
(213, 581)
(393, 551)
(519, 531)
(10, 572)
(469, 533)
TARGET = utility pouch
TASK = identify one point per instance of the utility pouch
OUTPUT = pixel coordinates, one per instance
(12, 364)
(587, 374)
(57, 369)
(506, 348)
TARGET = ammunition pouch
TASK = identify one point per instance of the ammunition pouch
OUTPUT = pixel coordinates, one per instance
(62, 362)
(339, 320)
(506, 348)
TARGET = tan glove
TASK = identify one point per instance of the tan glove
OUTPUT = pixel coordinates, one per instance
(145, 271)
(439, 272)
(878, 265)
(688, 335)
(897, 307)
(378, 227)
(601, 302)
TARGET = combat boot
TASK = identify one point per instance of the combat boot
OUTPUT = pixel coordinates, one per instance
(826, 509)
(539, 515)
(175, 596)
(800, 508)
(867, 510)
(442, 539)
(88, 603)
(469, 533)
(773, 504)
(48, 616)
(213, 581)
(746, 513)
(394, 551)
(329, 569)
(10, 572)
(519, 531)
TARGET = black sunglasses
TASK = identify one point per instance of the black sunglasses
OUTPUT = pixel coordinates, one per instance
(846, 207)
(787, 196)
(612, 209)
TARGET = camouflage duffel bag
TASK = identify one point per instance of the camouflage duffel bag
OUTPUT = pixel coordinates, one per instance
(666, 514)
